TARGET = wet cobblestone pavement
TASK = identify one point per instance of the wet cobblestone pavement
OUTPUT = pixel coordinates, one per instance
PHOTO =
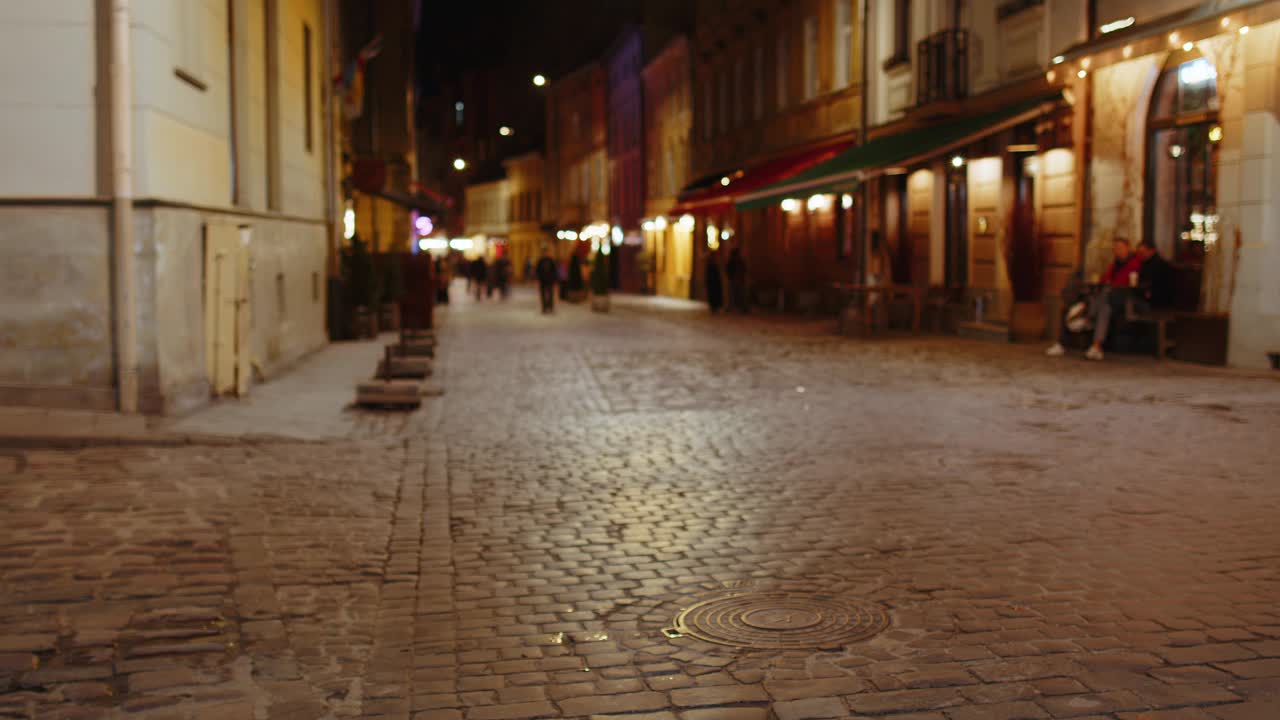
(1045, 539)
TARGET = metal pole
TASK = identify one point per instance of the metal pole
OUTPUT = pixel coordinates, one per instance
(331, 203)
(126, 342)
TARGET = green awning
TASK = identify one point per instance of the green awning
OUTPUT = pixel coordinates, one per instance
(851, 165)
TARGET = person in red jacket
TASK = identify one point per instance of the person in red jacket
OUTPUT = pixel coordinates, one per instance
(1120, 275)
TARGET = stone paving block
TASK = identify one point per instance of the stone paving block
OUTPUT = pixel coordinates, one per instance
(718, 695)
(1020, 710)
(905, 700)
(1179, 714)
(727, 713)
(606, 704)
(1269, 668)
(516, 711)
(1202, 654)
(810, 708)
(1071, 706)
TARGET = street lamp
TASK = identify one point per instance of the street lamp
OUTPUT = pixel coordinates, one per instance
(459, 164)
(505, 131)
(539, 80)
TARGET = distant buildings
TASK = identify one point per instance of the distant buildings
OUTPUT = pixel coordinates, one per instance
(668, 120)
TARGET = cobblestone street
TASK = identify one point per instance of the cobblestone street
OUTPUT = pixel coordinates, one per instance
(958, 530)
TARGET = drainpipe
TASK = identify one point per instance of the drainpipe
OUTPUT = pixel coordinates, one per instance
(330, 182)
(124, 301)
(864, 244)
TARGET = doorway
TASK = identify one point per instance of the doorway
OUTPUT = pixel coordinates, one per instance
(226, 308)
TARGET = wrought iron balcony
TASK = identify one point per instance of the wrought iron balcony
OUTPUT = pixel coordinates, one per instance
(942, 67)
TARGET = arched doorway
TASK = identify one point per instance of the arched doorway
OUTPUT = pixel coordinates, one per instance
(1183, 135)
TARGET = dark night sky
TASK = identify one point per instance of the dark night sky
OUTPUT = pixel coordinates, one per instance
(524, 36)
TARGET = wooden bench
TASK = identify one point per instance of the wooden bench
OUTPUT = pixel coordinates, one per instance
(1161, 319)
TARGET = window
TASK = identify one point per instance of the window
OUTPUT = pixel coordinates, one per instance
(706, 109)
(810, 58)
(193, 24)
(1183, 136)
(843, 42)
(306, 87)
(757, 81)
(901, 33)
(739, 94)
(315, 287)
(722, 119)
(783, 71)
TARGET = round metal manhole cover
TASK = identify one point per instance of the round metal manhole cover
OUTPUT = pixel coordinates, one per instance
(779, 620)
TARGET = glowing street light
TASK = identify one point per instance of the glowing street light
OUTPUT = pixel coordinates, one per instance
(506, 131)
(459, 164)
(539, 80)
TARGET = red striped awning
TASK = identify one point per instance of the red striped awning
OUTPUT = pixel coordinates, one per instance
(720, 196)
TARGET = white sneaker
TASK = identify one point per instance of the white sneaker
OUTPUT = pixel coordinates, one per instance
(1056, 351)
(1093, 353)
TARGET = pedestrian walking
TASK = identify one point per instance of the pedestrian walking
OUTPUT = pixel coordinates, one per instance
(736, 269)
(714, 284)
(548, 274)
(502, 270)
(479, 273)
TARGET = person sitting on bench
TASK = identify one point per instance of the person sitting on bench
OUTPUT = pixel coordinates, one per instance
(1109, 299)
(1155, 279)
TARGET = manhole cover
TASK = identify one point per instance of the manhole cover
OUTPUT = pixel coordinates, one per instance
(782, 620)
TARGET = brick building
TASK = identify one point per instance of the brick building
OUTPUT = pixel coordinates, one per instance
(777, 88)
(576, 157)
(668, 120)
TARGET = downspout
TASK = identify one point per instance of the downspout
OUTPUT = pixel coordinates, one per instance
(865, 246)
(125, 302)
(1082, 131)
(330, 182)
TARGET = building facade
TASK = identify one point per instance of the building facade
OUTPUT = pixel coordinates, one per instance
(966, 171)
(526, 237)
(1181, 105)
(577, 156)
(777, 88)
(487, 219)
(668, 120)
(380, 140)
(623, 63)
(955, 218)
(193, 136)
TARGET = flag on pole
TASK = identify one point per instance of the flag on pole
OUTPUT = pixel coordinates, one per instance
(351, 82)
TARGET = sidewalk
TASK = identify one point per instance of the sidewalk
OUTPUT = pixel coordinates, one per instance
(309, 402)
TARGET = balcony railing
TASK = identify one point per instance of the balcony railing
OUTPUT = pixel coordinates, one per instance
(942, 68)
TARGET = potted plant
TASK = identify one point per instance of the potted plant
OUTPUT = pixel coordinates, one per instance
(1025, 255)
(600, 282)
(359, 280)
(575, 287)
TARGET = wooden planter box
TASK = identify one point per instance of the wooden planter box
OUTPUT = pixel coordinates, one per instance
(405, 367)
(390, 394)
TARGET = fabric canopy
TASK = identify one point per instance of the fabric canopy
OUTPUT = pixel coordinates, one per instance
(718, 196)
(851, 165)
